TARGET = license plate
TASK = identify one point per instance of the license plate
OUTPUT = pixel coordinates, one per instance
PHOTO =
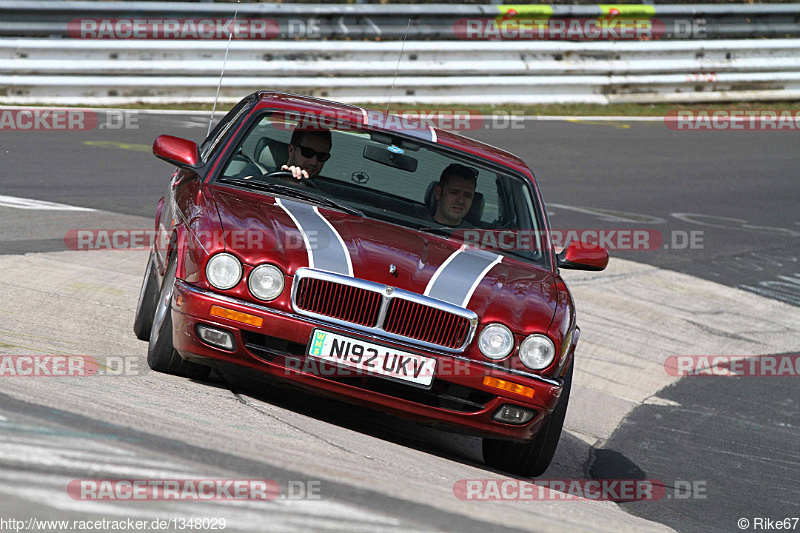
(372, 358)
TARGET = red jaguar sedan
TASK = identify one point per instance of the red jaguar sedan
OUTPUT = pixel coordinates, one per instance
(366, 257)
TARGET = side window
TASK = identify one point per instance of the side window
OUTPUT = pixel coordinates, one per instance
(213, 142)
(487, 188)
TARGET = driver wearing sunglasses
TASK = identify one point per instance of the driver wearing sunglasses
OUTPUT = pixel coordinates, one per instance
(308, 151)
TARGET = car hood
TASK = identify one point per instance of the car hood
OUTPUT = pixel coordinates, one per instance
(259, 228)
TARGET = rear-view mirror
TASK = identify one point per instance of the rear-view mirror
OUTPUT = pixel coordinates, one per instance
(391, 156)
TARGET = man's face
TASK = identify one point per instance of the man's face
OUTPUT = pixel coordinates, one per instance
(312, 165)
(454, 200)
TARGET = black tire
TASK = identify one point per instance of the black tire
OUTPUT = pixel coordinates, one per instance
(531, 459)
(145, 308)
(161, 356)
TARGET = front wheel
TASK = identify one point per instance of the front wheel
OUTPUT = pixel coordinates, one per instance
(161, 356)
(531, 459)
(148, 297)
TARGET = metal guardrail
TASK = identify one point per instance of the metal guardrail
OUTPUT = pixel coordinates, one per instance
(20, 18)
(78, 72)
(365, 59)
(350, 53)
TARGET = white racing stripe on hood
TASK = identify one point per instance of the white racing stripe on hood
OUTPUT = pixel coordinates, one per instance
(328, 251)
(340, 240)
(457, 278)
(479, 279)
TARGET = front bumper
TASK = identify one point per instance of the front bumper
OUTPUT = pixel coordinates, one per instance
(457, 399)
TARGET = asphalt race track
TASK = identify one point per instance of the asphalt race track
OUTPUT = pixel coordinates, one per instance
(726, 448)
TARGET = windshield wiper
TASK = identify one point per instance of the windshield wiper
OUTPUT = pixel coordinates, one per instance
(438, 230)
(306, 195)
(293, 192)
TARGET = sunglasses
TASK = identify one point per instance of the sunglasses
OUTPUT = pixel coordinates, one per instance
(308, 153)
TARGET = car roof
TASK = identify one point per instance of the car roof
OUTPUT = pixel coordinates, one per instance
(383, 121)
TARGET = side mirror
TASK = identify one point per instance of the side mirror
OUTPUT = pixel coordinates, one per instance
(583, 256)
(177, 151)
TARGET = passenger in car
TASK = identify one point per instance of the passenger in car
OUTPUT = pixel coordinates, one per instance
(454, 195)
(308, 151)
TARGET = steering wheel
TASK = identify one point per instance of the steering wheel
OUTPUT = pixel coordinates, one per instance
(288, 174)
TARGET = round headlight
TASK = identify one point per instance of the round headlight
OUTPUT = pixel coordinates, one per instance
(496, 341)
(266, 282)
(537, 352)
(223, 271)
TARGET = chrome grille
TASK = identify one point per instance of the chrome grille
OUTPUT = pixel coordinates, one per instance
(336, 300)
(425, 323)
(383, 311)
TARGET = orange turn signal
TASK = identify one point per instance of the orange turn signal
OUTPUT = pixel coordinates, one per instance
(230, 314)
(502, 384)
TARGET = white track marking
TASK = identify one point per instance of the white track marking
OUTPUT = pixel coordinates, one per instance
(27, 203)
(30, 452)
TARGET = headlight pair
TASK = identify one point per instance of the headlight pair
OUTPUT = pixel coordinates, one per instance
(224, 271)
(536, 352)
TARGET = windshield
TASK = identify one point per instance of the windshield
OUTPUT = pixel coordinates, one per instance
(395, 178)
